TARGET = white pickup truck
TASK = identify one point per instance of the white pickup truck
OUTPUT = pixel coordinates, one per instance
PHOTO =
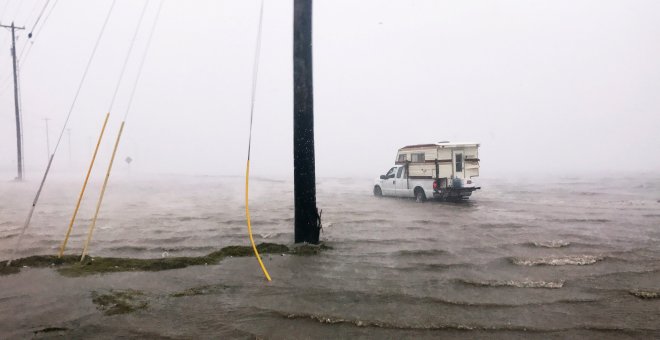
(442, 170)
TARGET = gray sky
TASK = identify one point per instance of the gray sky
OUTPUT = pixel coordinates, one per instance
(565, 87)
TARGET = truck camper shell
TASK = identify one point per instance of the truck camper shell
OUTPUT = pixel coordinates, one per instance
(440, 160)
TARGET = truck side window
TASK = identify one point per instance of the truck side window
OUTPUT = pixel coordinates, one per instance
(459, 162)
(390, 174)
(398, 174)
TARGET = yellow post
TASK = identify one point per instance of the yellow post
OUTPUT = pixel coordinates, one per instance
(105, 184)
(82, 191)
(247, 214)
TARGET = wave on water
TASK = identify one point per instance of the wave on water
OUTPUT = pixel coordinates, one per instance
(421, 252)
(370, 221)
(504, 226)
(550, 244)
(370, 323)
(396, 241)
(273, 235)
(441, 326)
(192, 218)
(587, 193)
(8, 236)
(432, 222)
(433, 267)
(651, 215)
(576, 260)
(581, 220)
(646, 294)
(513, 283)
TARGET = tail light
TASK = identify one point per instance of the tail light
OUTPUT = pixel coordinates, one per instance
(435, 185)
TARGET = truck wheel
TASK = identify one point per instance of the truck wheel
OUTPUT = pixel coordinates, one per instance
(377, 191)
(419, 195)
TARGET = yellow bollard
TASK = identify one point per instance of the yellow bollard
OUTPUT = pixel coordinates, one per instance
(82, 191)
(247, 214)
(105, 184)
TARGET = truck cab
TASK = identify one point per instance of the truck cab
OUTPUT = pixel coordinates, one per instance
(396, 182)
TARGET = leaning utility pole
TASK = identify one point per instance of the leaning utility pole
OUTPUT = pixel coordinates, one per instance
(19, 144)
(307, 218)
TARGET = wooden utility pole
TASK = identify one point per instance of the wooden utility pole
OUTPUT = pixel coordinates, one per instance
(307, 218)
(19, 144)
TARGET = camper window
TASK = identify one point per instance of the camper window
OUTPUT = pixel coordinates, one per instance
(402, 157)
(418, 157)
(459, 162)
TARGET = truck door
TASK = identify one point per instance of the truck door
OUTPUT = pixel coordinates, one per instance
(387, 184)
(401, 185)
(459, 164)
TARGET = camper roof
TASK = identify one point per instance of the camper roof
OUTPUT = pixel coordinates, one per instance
(442, 144)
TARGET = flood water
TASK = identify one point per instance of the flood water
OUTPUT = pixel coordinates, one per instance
(550, 258)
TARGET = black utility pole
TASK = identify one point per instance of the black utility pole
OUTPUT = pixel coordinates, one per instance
(307, 219)
(19, 144)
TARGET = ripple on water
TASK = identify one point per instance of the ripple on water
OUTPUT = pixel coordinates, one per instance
(549, 244)
(575, 260)
(526, 283)
(580, 220)
(645, 294)
(421, 252)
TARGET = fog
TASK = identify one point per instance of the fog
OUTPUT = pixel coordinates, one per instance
(546, 87)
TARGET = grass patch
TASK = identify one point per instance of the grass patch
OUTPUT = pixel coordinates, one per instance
(70, 265)
(4, 270)
(98, 265)
(307, 249)
(201, 290)
(192, 291)
(50, 330)
(119, 301)
(36, 261)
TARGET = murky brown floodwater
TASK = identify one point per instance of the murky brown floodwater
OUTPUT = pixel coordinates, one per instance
(556, 259)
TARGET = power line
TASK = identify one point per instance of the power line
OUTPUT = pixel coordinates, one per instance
(128, 55)
(82, 81)
(114, 150)
(34, 7)
(50, 11)
(29, 42)
(38, 18)
(144, 57)
(18, 9)
(47, 138)
(50, 161)
(255, 72)
(27, 47)
(4, 11)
